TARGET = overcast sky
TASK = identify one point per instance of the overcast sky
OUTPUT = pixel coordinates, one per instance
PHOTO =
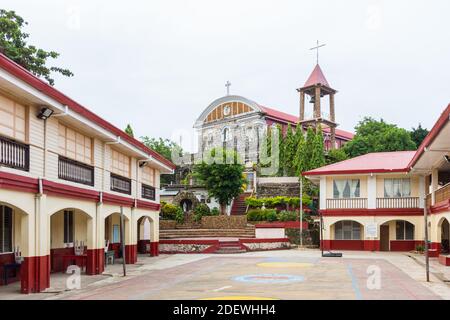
(158, 64)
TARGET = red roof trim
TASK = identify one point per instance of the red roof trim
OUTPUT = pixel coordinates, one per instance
(376, 162)
(313, 173)
(370, 212)
(24, 75)
(445, 116)
(280, 116)
(20, 183)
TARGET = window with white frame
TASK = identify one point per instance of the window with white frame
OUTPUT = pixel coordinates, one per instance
(397, 188)
(74, 145)
(347, 230)
(404, 230)
(346, 188)
(148, 175)
(120, 164)
(6, 217)
(12, 119)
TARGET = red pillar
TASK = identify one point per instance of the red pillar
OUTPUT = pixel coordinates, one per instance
(131, 253)
(154, 249)
(371, 245)
(95, 261)
(326, 244)
(35, 274)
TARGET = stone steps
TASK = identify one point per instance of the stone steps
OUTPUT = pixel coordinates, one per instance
(248, 232)
(229, 247)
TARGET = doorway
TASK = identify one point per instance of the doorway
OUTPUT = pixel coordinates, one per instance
(384, 238)
(445, 237)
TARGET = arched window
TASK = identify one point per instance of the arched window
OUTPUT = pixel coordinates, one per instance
(5, 229)
(404, 230)
(226, 134)
(347, 230)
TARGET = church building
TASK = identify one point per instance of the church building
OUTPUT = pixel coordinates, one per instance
(239, 122)
(225, 118)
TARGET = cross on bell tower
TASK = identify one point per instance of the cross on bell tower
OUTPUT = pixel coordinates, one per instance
(317, 87)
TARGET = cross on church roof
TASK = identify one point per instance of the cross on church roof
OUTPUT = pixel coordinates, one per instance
(228, 85)
(317, 49)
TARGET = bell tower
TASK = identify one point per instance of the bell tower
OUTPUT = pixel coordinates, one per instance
(316, 88)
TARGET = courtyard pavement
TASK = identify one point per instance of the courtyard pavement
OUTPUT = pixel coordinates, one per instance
(286, 274)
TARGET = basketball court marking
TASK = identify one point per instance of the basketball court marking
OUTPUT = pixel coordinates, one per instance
(239, 298)
(269, 278)
(285, 265)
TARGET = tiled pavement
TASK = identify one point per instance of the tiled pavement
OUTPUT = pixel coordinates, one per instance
(292, 274)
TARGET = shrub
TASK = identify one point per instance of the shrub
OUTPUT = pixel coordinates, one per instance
(288, 216)
(179, 216)
(200, 211)
(420, 248)
(261, 215)
(169, 211)
(214, 211)
(271, 215)
(275, 202)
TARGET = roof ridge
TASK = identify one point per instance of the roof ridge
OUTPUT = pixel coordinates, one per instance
(58, 95)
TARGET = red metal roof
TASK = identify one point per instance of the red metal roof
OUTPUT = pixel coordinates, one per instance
(279, 115)
(24, 75)
(445, 116)
(316, 77)
(377, 162)
(293, 120)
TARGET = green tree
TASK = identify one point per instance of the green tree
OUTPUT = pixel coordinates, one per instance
(289, 152)
(281, 150)
(318, 151)
(335, 155)
(163, 146)
(300, 159)
(418, 134)
(378, 136)
(223, 180)
(13, 43)
(129, 130)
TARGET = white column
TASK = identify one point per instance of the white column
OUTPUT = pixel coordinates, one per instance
(434, 185)
(372, 192)
(323, 193)
(42, 227)
(421, 192)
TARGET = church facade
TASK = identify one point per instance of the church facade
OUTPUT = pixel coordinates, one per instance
(239, 123)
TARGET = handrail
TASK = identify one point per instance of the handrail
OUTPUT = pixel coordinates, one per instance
(14, 154)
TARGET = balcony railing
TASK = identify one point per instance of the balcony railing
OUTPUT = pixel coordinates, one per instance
(72, 170)
(14, 154)
(398, 203)
(442, 194)
(347, 203)
(148, 192)
(120, 184)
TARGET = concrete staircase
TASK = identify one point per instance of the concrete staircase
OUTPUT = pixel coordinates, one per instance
(247, 232)
(239, 207)
(232, 246)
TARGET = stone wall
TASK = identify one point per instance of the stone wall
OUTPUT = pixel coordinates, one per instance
(208, 222)
(182, 248)
(268, 190)
(167, 224)
(262, 246)
(224, 222)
